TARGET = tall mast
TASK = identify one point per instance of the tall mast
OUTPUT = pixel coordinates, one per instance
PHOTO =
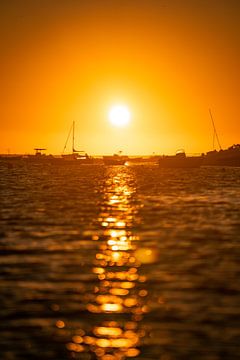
(215, 131)
(73, 135)
(67, 139)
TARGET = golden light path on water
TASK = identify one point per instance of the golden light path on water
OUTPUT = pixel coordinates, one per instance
(118, 301)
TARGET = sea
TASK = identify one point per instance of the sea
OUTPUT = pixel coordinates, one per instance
(119, 262)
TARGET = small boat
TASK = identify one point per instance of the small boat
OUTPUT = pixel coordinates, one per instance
(115, 159)
(180, 160)
(38, 157)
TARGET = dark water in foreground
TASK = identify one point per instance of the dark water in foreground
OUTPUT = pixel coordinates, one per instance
(115, 263)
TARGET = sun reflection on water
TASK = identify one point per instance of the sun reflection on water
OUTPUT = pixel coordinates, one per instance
(118, 300)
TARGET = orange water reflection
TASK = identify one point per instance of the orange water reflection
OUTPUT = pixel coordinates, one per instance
(118, 300)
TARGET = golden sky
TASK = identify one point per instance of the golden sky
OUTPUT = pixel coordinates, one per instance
(169, 61)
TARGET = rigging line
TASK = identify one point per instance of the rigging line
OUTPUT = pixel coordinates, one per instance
(73, 136)
(213, 140)
(67, 139)
(215, 131)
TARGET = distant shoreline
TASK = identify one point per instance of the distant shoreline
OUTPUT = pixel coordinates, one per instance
(131, 156)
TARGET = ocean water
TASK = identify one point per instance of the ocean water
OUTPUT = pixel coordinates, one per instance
(121, 262)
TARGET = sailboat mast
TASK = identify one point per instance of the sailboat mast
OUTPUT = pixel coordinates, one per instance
(67, 139)
(215, 131)
(73, 137)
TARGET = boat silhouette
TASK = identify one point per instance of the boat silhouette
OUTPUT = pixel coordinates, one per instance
(180, 160)
(38, 157)
(228, 157)
(115, 159)
(77, 156)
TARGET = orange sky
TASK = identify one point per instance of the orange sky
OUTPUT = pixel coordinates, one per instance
(167, 60)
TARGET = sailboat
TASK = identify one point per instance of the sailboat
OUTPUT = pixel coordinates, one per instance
(77, 156)
(227, 157)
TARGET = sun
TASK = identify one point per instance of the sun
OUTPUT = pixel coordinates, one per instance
(119, 115)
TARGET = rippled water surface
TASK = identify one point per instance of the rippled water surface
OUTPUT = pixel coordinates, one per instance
(115, 263)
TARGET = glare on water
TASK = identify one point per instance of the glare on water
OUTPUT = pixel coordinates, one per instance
(119, 296)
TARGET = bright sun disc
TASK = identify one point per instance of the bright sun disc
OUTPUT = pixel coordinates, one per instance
(119, 115)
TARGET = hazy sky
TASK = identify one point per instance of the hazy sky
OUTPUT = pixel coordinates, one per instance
(167, 60)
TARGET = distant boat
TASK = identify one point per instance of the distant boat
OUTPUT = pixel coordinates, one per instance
(228, 157)
(115, 159)
(38, 156)
(77, 156)
(180, 160)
